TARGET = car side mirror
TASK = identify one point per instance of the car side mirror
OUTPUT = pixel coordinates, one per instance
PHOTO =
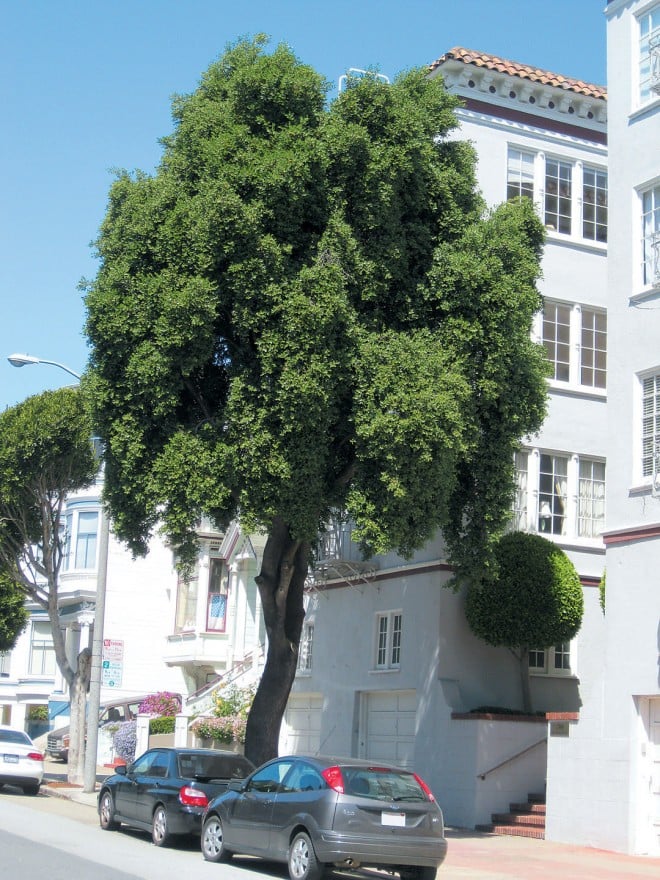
(121, 769)
(236, 785)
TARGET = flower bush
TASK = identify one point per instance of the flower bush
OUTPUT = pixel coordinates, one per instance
(230, 712)
(164, 703)
(125, 740)
(224, 729)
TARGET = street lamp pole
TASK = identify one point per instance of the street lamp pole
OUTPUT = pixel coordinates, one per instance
(21, 360)
(94, 699)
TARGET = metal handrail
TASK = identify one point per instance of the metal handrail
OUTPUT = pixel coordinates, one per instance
(512, 758)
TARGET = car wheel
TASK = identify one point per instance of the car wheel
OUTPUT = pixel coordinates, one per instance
(31, 789)
(159, 831)
(416, 872)
(213, 841)
(106, 812)
(302, 861)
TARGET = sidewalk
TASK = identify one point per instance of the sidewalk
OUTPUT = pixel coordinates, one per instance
(471, 855)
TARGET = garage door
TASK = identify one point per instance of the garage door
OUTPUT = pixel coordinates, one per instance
(655, 774)
(301, 730)
(389, 726)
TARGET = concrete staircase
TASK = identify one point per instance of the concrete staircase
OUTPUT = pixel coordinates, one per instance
(522, 820)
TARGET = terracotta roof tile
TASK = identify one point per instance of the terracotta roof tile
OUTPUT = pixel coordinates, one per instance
(524, 71)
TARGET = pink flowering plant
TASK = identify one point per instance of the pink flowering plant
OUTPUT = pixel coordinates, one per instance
(164, 703)
(229, 718)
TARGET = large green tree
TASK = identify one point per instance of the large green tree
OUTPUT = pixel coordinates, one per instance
(13, 613)
(531, 599)
(307, 309)
(46, 454)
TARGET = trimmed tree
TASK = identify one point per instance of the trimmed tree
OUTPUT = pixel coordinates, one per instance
(13, 613)
(533, 599)
(46, 454)
(306, 309)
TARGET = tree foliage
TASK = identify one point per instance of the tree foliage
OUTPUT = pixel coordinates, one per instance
(533, 599)
(306, 308)
(13, 613)
(45, 454)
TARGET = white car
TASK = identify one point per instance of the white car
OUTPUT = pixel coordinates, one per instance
(21, 763)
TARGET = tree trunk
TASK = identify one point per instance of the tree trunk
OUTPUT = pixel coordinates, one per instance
(281, 586)
(78, 698)
(523, 658)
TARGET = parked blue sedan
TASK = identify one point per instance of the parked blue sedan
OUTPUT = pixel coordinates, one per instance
(166, 790)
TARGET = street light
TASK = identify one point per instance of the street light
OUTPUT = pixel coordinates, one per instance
(94, 699)
(21, 360)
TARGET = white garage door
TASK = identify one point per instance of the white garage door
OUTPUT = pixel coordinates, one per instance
(654, 735)
(388, 733)
(301, 730)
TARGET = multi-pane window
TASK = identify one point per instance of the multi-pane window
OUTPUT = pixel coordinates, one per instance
(557, 338)
(575, 342)
(558, 196)
(521, 491)
(649, 55)
(186, 605)
(593, 348)
(651, 236)
(559, 494)
(651, 426)
(520, 174)
(591, 498)
(388, 640)
(5, 657)
(551, 661)
(553, 492)
(305, 650)
(80, 539)
(42, 651)
(594, 204)
(571, 197)
(216, 609)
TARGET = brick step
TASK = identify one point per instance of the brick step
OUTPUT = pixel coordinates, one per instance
(514, 830)
(530, 807)
(519, 818)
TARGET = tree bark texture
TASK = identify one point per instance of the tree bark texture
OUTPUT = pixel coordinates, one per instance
(281, 584)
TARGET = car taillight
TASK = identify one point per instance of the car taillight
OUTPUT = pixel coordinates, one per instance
(192, 797)
(35, 756)
(427, 791)
(333, 777)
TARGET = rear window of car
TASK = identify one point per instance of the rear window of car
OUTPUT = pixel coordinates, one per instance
(214, 766)
(14, 736)
(382, 783)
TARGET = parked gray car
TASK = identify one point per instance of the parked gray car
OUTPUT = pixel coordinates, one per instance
(312, 812)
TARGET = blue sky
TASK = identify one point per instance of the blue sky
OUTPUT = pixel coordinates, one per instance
(86, 88)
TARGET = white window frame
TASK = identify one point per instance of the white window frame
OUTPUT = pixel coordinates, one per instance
(650, 235)
(185, 610)
(80, 546)
(5, 663)
(649, 423)
(648, 23)
(526, 168)
(306, 648)
(388, 633)
(41, 662)
(543, 661)
(576, 344)
(537, 511)
(217, 596)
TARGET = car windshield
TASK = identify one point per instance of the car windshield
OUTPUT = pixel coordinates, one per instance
(199, 766)
(14, 736)
(382, 783)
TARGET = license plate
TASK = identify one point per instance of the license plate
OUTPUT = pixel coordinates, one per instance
(11, 759)
(397, 819)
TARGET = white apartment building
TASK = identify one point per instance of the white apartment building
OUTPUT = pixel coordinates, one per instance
(409, 674)
(604, 781)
